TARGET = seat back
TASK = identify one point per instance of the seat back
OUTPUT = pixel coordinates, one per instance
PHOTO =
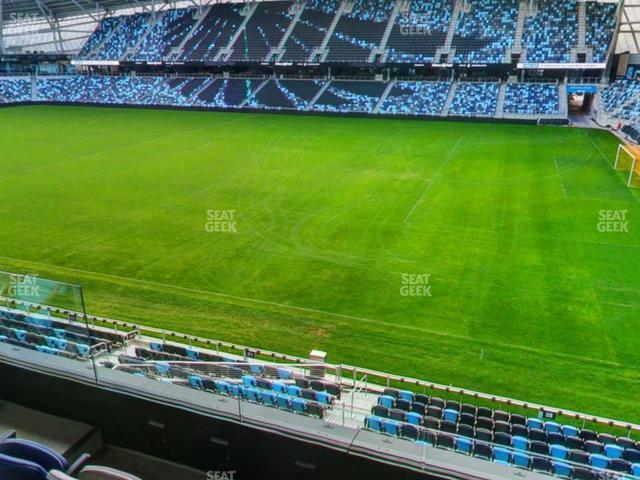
(17, 469)
(34, 452)
(94, 472)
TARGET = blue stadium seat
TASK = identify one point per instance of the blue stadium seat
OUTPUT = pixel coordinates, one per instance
(521, 460)
(501, 455)
(464, 445)
(562, 469)
(35, 453)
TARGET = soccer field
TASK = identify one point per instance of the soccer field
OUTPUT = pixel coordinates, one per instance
(322, 220)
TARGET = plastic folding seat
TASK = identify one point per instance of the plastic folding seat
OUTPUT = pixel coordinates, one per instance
(299, 405)
(519, 431)
(432, 423)
(588, 435)
(579, 456)
(436, 402)
(380, 411)
(606, 439)
(574, 443)
(501, 455)
(333, 388)
(484, 412)
(309, 394)
(520, 443)
(249, 381)
(391, 427)
(521, 460)
(581, 473)
(562, 469)
(559, 452)
(556, 438)
(501, 438)
(264, 383)
(21, 335)
(294, 391)
(465, 430)
(237, 390)
(598, 461)
(570, 431)
(279, 387)
(192, 354)
(391, 392)
(414, 418)
(501, 426)
(485, 423)
(162, 368)
(156, 346)
(534, 423)
(613, 451)
(467, 408)
(450, 415)
(409, 431)
(448, 427)
(446, 441)
(537, 435)
(626, 442)
(593, 447)
(631, 455)
(517, 419)
(301, 382)
(552, 427)
(223, 387)
(635, 469)
(419, 408)
(482, 450)
(315, 409)
(373, 423)
(16, 469)
(386, 401)
(268, 398)
(397, 414)
(540, 464)
(483, 435)
(253, 394)
(256, 369)
(98, 472)
(452, 405)
(464, 445)
(427, 437)
(500, 416)
(284, 373)
(620, 465)
(283, 401)
(321, 386)
(403, 404)
(467, 419)
(324, 397)
(421, 398)
(406, 395)
(541, 448)
(32, 455)
(195, 382)
(435, 412)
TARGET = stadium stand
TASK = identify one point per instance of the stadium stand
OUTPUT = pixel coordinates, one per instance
(551, 33)
(126, 33)
(475, 99)
(485, 31)
(263, 33)
(621, 99)
(166, 34)
(416, 98)
(15, 90)
(600, 27)
(102, 32)
(310, 31)
(214, 32)
(359, 32)
(350, 97)
(418, 32)
(532, 99)
(286, 94)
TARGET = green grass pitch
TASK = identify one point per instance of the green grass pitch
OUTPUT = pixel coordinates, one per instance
(527, 297)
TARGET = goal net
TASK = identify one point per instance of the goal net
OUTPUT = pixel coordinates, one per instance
(628, 161)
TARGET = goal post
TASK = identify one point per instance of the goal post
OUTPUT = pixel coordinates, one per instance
(628, 161)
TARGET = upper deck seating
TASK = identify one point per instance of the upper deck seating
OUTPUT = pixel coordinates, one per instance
(359, 32)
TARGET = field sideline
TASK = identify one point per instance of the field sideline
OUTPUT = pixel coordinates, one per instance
(528, 298)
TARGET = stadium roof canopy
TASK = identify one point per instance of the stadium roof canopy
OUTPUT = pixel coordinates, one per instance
(629, 33)
(16, 9)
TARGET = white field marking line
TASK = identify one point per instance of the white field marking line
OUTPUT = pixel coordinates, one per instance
(564, 190)
(433, 179)
(326, 313)
(604, 157)
(622, 305)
